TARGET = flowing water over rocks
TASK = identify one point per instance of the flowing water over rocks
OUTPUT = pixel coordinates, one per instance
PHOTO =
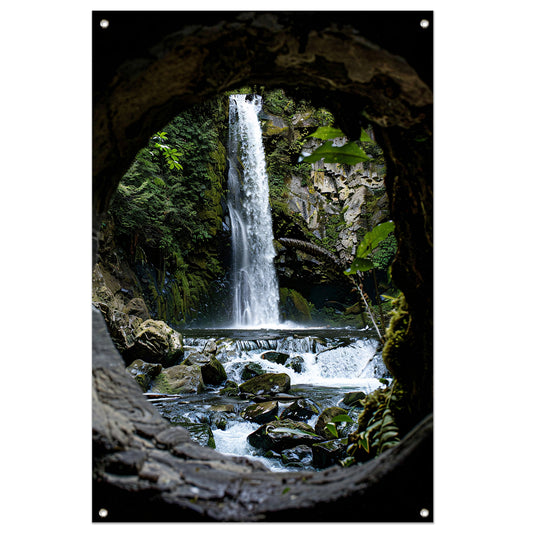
(322, 364)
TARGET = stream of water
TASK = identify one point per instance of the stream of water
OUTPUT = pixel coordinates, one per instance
(323, 365)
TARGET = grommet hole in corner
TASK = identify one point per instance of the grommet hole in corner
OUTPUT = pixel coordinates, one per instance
(102, 513)
(424, 513)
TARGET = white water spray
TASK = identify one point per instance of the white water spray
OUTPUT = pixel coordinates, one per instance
(255, 285)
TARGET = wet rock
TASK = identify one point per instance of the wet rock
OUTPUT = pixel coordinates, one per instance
(210, 347)
(143, 372)
(325, 418)
(275, 357)
(261, 413)
(213, 372)
(179, 379)
(329, 452)
(300, 410)
(283, 434)
(353, 398)
(231, 389)
(268, 383)
(251, 370)
(137, 307)
(296, 363)
(156, 342)
(122, 327)
(299, 456)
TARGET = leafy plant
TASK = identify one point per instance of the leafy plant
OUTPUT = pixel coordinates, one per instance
(349, 153)
(381, 432)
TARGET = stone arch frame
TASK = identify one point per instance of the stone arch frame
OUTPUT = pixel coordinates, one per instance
(363, 66)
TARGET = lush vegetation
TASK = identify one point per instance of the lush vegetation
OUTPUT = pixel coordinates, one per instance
(168, 211)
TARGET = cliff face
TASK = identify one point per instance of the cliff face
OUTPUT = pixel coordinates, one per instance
(329, 205)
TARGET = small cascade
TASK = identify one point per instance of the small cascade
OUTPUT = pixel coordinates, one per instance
(254, 282)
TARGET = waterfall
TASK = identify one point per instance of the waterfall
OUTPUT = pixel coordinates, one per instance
(254, 282)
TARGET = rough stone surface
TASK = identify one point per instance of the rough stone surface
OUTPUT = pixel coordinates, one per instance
(155, 342)
(325, 417)
(213, 373)
(261, 413)
(269, 383)
(179, 379)
(143, 372)
(282, 434)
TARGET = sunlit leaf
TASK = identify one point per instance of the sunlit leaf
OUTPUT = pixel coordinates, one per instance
(349, 154)
(373, 238)
(325, 133)
(359, 264)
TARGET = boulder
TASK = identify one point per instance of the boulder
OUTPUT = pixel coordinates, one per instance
(269, 383)
(300, 410)
(261, 413)
(210, 347)
(231, 389)
(213, 372)
(137, 307)
(299, 456)
(122, 328)
(251, 370)
(329, 452)
(156, 342)
(353, 398)
(283, 434)
(275, 357)
(179, 379)
(325, 418)
(143, 372)
(296, 363)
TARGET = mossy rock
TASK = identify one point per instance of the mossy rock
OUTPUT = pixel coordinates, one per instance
(231, 389)
(326, 417)
(213, 373)
(269, 383)
(299, 456)
(275, 357)
(296, 363)
(156, 342)
(179, 379)
(137, 307)
(353, 398)
(143, 372)
(261, 413)
(251, 370)
(282, 434)
(300, 410)
(329, 452)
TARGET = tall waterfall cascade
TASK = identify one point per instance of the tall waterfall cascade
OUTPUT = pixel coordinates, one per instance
(254, 282)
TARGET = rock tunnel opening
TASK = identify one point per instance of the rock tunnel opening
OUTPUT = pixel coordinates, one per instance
(181, 61)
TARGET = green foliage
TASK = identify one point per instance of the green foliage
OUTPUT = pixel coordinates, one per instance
(332, 427)
(324, 133)
(374, 238)
(348, 154)
(370, 242)
(168, 204)
(378, 428)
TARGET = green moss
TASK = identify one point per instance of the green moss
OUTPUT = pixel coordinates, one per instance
(396, 347)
